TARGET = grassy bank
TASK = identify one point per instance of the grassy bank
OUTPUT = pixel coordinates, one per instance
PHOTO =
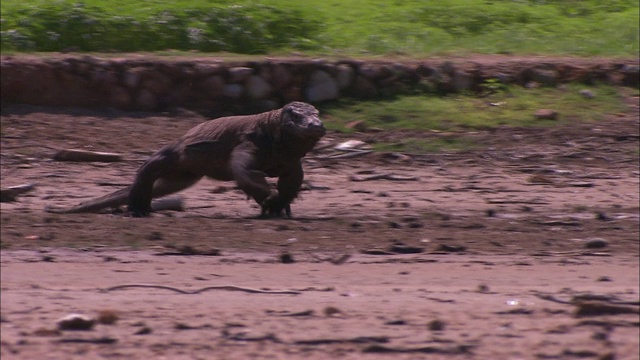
(412, 27)
(457, 114)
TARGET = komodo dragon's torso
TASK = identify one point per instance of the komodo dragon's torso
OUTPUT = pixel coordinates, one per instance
(245, 149)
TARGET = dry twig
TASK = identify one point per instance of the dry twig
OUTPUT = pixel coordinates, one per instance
(198, 291)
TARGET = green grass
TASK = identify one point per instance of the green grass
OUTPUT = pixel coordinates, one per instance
(356, 27)
(514, 107)
(453, 115)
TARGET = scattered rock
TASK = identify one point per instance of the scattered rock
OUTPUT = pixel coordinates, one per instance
(587, 93)
(546, 114)
(145, 330)
(286, 258)
(359, 126)
(76, 322)
(451, 248)
(155, 235)
(107, 317)
(401, 248)
(436, 325)
(332, 311)
(631, 74)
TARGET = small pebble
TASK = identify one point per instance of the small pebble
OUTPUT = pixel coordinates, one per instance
(587, 94)
(331, 311)
(596, 243)
(436, 325)
(546, 114)
(107, 317)
(286, 258)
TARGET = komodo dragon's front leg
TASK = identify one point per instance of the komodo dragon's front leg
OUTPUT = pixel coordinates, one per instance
(254, 183)
(289, 184)
(242, 164)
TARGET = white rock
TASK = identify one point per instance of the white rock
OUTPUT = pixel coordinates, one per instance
(351, 145)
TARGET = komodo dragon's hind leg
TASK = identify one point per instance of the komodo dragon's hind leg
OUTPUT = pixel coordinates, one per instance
(156, 178)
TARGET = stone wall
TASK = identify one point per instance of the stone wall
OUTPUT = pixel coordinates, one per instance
(221, 87)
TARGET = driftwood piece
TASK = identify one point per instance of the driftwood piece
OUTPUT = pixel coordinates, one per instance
(175, 203)
(10, 194)
(86, 156)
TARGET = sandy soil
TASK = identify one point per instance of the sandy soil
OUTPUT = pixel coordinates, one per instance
(525, 249)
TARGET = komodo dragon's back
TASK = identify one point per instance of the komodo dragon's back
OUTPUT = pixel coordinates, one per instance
(245, 149)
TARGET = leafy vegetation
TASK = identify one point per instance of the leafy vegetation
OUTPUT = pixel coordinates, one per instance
(413, 27)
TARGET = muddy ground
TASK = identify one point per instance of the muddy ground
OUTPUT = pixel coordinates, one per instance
(525, 248)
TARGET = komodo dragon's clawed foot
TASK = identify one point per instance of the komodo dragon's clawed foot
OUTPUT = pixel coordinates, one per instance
(138, 212)
(273, 207)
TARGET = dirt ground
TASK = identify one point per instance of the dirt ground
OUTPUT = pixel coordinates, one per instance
(526, 248)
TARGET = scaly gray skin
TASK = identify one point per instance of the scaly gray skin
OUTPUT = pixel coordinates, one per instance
(244, 149)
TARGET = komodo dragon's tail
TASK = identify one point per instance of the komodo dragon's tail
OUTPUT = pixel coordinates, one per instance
(112, 200)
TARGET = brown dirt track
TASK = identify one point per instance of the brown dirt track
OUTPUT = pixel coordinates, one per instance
(504, 271)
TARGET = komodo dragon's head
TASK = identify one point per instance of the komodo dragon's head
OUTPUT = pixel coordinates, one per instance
(301, 120)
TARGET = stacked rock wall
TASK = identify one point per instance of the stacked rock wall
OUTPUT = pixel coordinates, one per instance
(219, 87)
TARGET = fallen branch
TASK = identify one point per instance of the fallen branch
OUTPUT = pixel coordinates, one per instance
(392, 177)
(588, 298)
(100, 340)
(83, 155)
(377, 348)
(347, 155)
(355, 340)
(220, 287)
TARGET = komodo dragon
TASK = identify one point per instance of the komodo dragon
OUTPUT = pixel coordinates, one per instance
(245, 149)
